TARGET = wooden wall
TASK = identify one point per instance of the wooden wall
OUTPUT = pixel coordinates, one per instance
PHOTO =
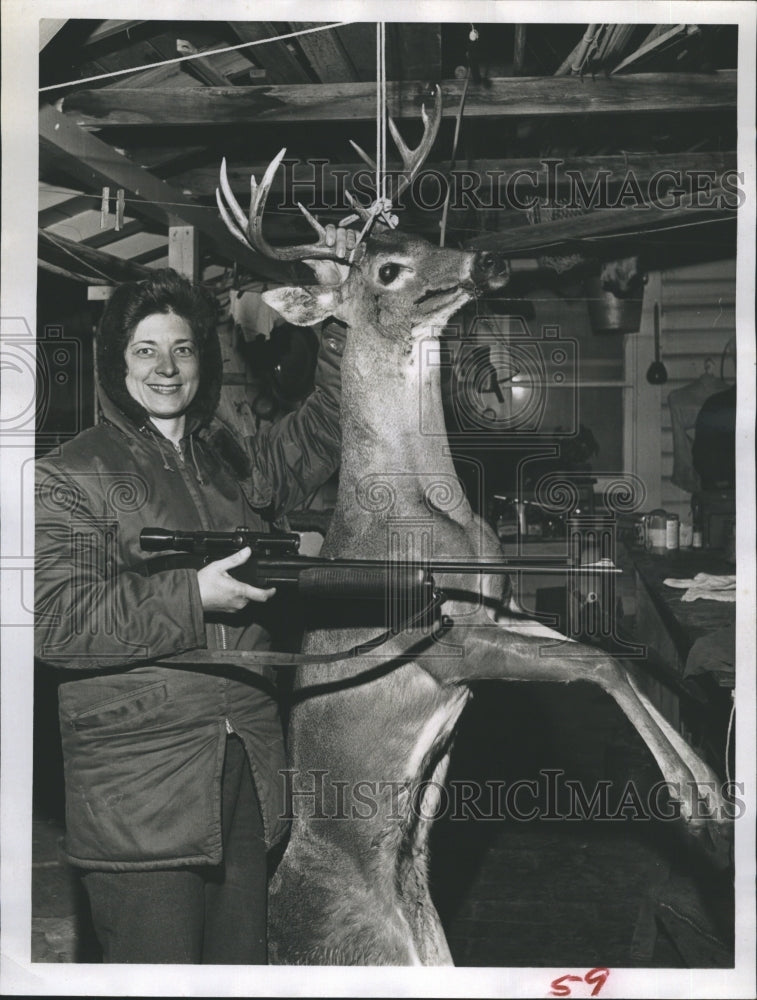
(697, 322)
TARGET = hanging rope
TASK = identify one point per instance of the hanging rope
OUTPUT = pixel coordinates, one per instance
(381, 207)
(380, 94)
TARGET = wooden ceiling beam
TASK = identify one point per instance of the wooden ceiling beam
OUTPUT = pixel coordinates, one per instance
(276, 58)
(94, 163)
(202, 181)
(91, 264)
(326, 54)
(65, 210)
(573, 62)
(359, 41)
(523, 96)
(108, 29)
(649, 47)
(112, 235)
(202, 68)
(595, 227)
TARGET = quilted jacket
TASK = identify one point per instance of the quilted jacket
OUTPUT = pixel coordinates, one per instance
(143, 742)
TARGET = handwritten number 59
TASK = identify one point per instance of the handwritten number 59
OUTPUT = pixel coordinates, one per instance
(594, 977)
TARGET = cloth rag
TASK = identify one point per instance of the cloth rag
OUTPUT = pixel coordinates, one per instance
(706, 586)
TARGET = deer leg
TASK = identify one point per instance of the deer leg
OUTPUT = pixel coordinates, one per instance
(430, 941)
(517, 650)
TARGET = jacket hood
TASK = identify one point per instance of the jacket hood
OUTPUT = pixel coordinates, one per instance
(128, 302)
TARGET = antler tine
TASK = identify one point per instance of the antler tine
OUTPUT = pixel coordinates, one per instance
(363, 155)
(357, 208)
(238, 225)
(413, 159)
(313, 221)
(231, 225)
(250, 231)
(258, 198)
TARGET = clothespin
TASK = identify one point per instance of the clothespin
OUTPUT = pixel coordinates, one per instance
(120, 205)
(104, 207)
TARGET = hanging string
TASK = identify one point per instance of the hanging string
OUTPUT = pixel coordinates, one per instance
(378, 109)
(382, 108)
(194, 55)
(381, 207)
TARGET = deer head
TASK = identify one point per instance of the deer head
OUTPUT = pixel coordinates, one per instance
(393, 284)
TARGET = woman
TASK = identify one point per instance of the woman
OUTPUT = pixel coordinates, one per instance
(173, 791)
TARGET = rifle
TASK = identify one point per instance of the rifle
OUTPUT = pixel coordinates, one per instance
(276, 562)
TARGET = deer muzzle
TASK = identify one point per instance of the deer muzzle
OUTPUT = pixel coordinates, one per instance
(489, 271)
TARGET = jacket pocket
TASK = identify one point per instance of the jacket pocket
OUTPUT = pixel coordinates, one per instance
(116, 712)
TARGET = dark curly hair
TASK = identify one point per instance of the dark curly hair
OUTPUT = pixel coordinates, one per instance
(164, 292)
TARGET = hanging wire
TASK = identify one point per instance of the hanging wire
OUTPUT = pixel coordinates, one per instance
(195, 55)
(458, 121)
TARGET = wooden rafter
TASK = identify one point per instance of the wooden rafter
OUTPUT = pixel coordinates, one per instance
(537, 96)
(326, 54)
(109, 29)
(107, 237)
(94, 163)
(64, 210)
(574, 60)
(87, 262)
(610, 222)
(202, 181)
(276, 58)
(202, 68)
(653, 45)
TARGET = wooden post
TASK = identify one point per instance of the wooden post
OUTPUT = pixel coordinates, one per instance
(183, 251)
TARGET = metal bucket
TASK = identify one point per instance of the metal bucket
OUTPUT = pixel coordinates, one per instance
(608, 313)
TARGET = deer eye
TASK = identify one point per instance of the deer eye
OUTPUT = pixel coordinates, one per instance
(388, 272)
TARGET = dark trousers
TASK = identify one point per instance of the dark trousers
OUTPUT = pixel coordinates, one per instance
(209, 915)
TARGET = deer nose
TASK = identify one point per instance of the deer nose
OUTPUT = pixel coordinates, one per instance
(489, 269)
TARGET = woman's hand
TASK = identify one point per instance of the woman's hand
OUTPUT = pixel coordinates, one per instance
(219, 591)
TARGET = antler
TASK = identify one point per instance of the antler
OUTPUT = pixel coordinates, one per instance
(250, 231)
(412, 159)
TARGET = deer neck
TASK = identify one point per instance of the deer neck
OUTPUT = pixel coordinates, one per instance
(392, 415)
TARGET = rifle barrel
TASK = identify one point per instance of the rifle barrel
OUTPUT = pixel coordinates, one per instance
(550, 564)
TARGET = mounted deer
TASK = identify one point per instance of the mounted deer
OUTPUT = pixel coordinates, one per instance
(352, 889)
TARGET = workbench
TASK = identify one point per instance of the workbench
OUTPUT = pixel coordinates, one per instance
(689, 659)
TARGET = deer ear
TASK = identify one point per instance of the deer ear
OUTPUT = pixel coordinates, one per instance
(303, 306)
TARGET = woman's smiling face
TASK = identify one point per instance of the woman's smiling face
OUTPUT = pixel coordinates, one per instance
(162, 367)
